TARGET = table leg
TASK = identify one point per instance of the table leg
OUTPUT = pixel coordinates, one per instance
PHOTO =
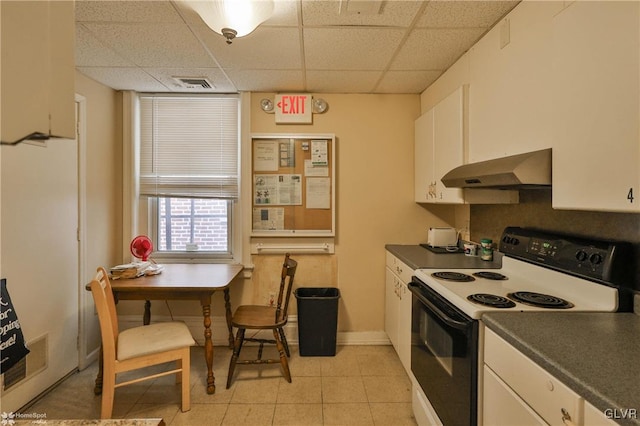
(208, 347)
(146, 319)
(227, 307)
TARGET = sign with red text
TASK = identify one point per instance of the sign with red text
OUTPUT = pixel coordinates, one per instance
(293, 108)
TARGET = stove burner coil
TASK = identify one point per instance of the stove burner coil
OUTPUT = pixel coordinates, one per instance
(491, 300)
(490, 275)
(453, 276)
(540, 300)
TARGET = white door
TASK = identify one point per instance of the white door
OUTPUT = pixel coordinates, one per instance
(39, 246)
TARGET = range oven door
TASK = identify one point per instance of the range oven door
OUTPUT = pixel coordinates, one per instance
(444, 355)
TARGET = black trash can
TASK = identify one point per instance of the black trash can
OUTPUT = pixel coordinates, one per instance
(317, 320)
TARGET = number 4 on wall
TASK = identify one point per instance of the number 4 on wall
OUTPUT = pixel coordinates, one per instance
(630, 195)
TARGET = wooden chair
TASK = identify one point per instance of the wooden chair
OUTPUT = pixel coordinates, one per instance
(137, 347)
(259, 317)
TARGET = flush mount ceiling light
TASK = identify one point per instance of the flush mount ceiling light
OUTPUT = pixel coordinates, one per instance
(320, 106)
(267, 105)
(232, 18)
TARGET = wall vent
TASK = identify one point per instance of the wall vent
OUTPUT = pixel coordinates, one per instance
(32, 364)
(194, 82)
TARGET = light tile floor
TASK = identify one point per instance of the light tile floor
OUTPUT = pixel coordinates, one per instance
(360, 385)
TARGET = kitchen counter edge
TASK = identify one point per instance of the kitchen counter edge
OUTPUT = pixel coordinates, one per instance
(418, 257)
(591, 353)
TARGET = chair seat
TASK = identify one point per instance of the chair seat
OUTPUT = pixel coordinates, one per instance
(153, 338)
(256, 316)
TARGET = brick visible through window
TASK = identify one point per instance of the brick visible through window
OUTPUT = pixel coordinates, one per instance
(195, 222)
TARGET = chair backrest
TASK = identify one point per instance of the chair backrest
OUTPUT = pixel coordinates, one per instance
(106, 307)
(286, 285)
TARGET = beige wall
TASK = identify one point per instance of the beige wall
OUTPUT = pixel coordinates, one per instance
(374, 198)
(374, 162)
(104, 181)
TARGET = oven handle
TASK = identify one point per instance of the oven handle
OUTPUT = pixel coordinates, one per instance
(459, 325)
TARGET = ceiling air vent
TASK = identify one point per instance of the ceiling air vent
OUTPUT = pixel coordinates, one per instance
(194, 82)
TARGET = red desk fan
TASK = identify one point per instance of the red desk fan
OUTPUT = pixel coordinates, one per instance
(141, 247)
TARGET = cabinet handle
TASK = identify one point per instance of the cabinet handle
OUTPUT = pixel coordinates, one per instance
(566, 418)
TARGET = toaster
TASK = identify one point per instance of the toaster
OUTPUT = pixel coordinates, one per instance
(442, 237)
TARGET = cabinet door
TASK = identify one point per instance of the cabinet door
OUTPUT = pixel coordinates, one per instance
(595, 417)
(423, 159)
(448, 144)
(502, 406)
(38, 74)
(596, 149)
(62, 104)
(391, 307)
(24, 84)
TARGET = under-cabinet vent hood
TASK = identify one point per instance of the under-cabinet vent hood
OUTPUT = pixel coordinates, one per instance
(529, 170)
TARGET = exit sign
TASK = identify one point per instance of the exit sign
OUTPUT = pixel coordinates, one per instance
(293, 108)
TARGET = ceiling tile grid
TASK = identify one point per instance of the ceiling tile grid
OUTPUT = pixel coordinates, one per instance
(318, 46)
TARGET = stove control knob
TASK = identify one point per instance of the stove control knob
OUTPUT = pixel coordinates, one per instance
(595, 258)
(581, 255)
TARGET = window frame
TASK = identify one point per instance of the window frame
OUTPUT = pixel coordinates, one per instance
(150, 204)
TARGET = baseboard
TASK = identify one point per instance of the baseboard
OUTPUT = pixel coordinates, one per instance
(220, 333)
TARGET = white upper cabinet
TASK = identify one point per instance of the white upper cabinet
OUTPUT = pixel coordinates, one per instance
(510, 84)
(596, 105)
(423, 158)
(37, 85)
(439, 148)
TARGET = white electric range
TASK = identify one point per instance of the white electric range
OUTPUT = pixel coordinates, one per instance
(540, 272)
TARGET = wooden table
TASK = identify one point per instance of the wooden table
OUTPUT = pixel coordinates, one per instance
(183, 281)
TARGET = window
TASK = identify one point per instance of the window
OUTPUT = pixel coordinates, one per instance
(189, 172)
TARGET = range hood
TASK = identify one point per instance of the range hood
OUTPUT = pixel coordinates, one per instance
(529, 170)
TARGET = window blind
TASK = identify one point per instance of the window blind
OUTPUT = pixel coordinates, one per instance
(189, 146)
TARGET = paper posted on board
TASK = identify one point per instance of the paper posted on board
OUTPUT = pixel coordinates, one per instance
(318, 193)
(268, 219)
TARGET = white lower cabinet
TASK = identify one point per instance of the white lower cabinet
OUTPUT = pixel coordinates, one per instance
(397, 317)
(502, 406)
(515, 387)
(595, 417)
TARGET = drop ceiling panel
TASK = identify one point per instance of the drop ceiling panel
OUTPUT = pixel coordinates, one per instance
(406, 81)
(350, 48)
(327, 13)
(436, 49)
(124, 78)
(338, 81)
(450, 14)
(93, 53)
(125, 11)
(151, 45)
(269, 80)
(285, 13)
(307, 45)
(265, 48)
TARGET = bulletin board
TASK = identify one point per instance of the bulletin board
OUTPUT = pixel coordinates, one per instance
(293, 184)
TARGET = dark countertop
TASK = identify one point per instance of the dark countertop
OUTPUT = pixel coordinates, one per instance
(597, 355)
(416, 257)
